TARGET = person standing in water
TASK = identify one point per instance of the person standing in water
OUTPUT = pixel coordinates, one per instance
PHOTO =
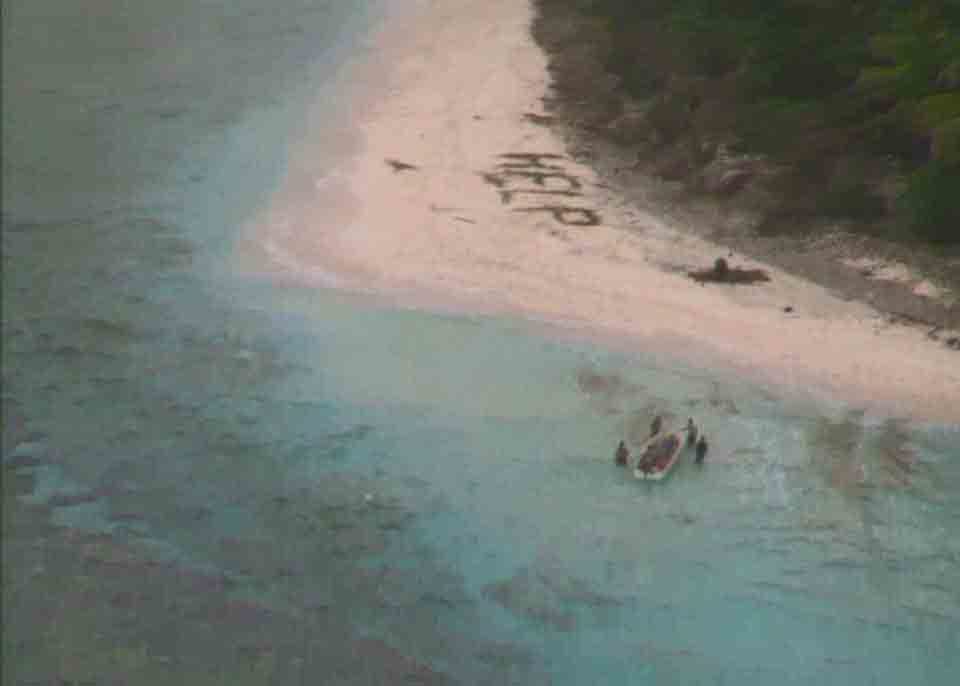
(701, 449)
(691, 432)
(622, 455)
(656, 425)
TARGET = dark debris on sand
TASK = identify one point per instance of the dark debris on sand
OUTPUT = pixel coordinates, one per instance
(721, 272)
(399, 166)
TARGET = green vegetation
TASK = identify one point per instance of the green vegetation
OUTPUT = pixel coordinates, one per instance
(810, 82)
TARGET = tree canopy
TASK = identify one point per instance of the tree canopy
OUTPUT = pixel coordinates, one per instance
(881, 76)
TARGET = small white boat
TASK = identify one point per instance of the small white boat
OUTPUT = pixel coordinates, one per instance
(659, 455)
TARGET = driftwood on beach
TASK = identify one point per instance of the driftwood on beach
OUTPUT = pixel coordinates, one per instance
(399, 166)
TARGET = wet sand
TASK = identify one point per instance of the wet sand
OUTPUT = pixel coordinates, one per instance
(455, 195)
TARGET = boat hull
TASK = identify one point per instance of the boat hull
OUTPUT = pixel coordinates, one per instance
(659, 455)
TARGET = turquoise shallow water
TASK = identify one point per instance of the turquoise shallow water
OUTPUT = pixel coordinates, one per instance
(802, 551)
(442, 482)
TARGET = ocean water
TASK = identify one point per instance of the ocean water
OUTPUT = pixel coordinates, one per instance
(442, 483)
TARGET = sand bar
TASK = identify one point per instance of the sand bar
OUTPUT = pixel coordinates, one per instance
(446, 191)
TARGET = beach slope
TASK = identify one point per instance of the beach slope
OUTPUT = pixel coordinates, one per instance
(449, 189)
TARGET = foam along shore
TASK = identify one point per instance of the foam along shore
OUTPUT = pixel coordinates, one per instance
(448, 191)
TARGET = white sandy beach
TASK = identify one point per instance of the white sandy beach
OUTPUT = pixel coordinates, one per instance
(447, 91)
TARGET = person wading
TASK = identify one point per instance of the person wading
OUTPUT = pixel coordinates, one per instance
(622, 455)
(691, 432)
(702, 448)
(656, 425)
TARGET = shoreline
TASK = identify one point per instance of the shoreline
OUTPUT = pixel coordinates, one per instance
(910, 282)
(493, 216)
